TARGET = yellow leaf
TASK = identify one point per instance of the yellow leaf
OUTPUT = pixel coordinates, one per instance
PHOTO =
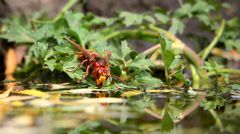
(17, 103)
(33, 92)
(131, 93)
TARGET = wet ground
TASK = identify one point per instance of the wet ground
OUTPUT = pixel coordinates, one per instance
(66, 108)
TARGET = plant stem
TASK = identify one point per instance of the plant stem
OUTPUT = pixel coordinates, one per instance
(225, 70)
(151, 50)
(208, 49)
(131, 32)
(167, 76)
(69, 4)
(195, 77)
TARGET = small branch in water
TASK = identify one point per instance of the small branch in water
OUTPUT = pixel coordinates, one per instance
(217, 119)
(150, 112)
(189, 110)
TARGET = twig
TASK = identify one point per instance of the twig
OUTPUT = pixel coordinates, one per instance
(193, 107)
(69, 4)
(151, 50)
(224, 54)
(208, 49)
(153, 113)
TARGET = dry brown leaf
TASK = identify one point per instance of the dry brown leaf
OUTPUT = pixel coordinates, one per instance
(10, 61)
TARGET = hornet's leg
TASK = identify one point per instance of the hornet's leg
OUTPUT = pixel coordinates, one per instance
(87, 71)
(84, 61)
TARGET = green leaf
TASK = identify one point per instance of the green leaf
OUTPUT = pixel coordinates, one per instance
(18, 33)
(40, 50)
(234, 22)
(177, 26)
(167, 123)
(86, 128)
(125, 49)
(167, 55)
(174, 62)
(231, 44)
(148, 81)
(204, 18)
(214, 103)
(64, 49)
(116, 70)
(162, 18)
(202, 7)
(179, 75)
(73, 19)
(186, 9)
(141, 62)
(51, 64)
(49, 54)
(76, 29)
(70, 64)
(235, 86)
(211, 66)
(131, 18)
(149, 19)
(174, 112)
(21, 33)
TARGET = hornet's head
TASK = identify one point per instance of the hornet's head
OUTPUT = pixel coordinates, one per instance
(101, 72)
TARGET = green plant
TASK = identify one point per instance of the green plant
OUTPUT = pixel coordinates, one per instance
(49, 51)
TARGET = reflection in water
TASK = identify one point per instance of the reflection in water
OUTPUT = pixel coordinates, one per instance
(76, 111)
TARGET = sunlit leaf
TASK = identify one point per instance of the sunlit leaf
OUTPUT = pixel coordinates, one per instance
(33, 92)
(131, 93)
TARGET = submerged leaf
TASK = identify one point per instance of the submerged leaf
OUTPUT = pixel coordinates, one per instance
(167, 123)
